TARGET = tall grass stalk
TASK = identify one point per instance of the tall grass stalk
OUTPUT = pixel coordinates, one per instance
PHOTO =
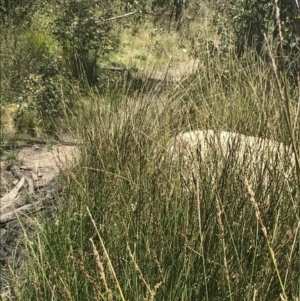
(202, 251)
(222, 238)
(264, 230)
(107, 258)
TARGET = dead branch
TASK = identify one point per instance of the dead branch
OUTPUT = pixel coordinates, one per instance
(9, 197)
(24, 210)
(17, 174)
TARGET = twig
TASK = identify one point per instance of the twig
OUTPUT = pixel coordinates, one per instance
(126, 15)
(117, 17)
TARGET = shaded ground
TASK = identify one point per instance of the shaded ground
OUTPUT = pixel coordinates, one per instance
(28, 186)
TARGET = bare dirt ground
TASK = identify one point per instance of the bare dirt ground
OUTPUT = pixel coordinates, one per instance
(28, 186)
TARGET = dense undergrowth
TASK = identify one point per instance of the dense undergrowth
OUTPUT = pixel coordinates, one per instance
(127, 226)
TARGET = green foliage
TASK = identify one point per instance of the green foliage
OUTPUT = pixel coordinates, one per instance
(82, 29)
(30, 76)
(247, 25)
(17, 12)
(82, 25)
(23, 52)
(42, 94)
(165, 11)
